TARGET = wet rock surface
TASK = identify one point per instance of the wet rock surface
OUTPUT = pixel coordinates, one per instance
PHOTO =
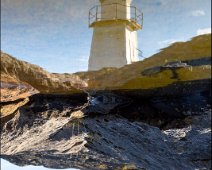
(141, 135)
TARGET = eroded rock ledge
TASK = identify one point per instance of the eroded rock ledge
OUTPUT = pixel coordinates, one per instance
(21, 72)
(146, 134)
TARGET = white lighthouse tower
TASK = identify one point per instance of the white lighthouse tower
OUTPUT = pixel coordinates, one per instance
(114, 43)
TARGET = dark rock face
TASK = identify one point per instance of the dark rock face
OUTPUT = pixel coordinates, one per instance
(154, 133)
(178, 64)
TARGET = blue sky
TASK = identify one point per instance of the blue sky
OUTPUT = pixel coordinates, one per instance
(5, 165)
(54, 34)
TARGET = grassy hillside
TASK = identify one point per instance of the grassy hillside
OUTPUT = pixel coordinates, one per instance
(129, 76)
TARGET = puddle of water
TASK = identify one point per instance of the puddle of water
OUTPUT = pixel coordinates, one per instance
(5, 165)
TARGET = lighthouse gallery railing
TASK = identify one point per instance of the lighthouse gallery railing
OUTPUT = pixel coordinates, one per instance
(97, 14)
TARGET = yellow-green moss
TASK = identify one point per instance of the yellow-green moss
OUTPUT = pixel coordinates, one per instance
(102, 167)
(148, 82)
(127, 167)
(194, 73)
(129, 76)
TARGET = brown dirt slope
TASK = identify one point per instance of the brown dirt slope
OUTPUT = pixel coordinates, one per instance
(14, 70)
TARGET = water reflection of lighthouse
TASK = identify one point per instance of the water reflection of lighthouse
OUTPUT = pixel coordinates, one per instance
(114, 42)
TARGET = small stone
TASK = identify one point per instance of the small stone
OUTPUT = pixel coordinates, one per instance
(77, 115)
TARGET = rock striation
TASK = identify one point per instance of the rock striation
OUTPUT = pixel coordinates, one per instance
(141, 136)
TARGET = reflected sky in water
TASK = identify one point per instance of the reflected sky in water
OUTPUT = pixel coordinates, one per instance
(5, 165)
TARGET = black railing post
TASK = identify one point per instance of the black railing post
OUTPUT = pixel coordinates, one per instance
(116, 11)
(89, 18)
(135, 14)
(96, 13)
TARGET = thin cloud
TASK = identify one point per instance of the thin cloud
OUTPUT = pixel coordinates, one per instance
(197, 13)
(168, 42)
(204, 31)
(45, 11)
(83, 59)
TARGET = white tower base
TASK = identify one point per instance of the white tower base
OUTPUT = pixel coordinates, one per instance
(113, 46)
(114, 42)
